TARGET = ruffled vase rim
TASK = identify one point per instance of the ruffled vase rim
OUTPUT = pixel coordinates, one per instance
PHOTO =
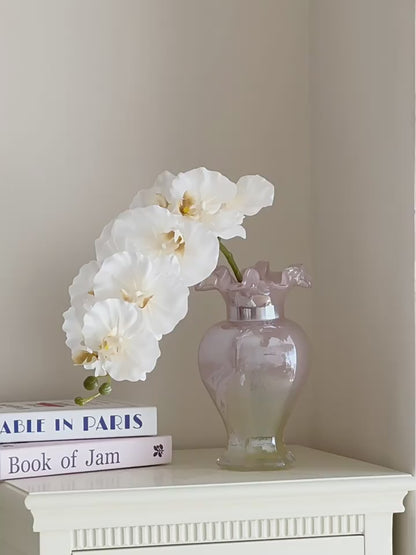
(258, 279)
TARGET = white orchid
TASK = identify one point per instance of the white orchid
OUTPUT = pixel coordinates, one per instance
(198, 194)
(202, 195)
(210, 198)
(152, 285)
(156, 232)
(116, 342)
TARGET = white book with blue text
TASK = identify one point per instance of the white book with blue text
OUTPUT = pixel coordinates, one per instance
(58, 420)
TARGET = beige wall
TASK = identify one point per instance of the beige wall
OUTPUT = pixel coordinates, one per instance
(362, 110)
(362, 151)
(96, 98)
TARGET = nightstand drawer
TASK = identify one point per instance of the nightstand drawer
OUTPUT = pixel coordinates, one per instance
(342, 545)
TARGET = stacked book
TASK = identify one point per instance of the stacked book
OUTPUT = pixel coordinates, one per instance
(59, 437)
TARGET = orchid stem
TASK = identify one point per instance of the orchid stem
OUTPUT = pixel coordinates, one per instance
(81, 401)
(230, 259)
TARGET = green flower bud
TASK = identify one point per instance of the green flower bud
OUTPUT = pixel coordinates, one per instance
(80, 401)
(90, 383)
(105, 388)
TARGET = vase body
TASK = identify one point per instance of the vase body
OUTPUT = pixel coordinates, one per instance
(253, 365)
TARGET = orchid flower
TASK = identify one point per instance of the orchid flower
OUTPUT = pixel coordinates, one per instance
(117, 343)
(156, 232)
(201, 195)
(152, 285)
(210, 198)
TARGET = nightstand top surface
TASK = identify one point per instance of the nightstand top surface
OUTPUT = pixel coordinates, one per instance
(197, 467)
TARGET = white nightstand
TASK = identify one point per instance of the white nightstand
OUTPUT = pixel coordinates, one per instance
(327, 504)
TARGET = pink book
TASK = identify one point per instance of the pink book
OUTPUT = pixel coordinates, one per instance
(24, 460)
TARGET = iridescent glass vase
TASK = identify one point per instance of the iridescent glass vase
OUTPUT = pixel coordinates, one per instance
(254, 363)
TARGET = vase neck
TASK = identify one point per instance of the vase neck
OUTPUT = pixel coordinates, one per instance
(236, 313)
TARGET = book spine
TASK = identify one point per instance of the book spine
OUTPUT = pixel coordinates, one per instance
(65, 457)
(76, 424)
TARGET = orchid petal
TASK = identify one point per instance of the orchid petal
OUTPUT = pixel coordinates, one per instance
(155, 195)
(82, 284)
(73, 330)
(253, 193)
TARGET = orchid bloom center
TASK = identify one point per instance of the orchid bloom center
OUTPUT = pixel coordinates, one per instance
(111, 345)
(188, 206)
(139, 298)
(161, 200)
(84, 357)
(173, 243)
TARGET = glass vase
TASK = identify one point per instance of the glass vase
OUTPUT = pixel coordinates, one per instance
(254, 363)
